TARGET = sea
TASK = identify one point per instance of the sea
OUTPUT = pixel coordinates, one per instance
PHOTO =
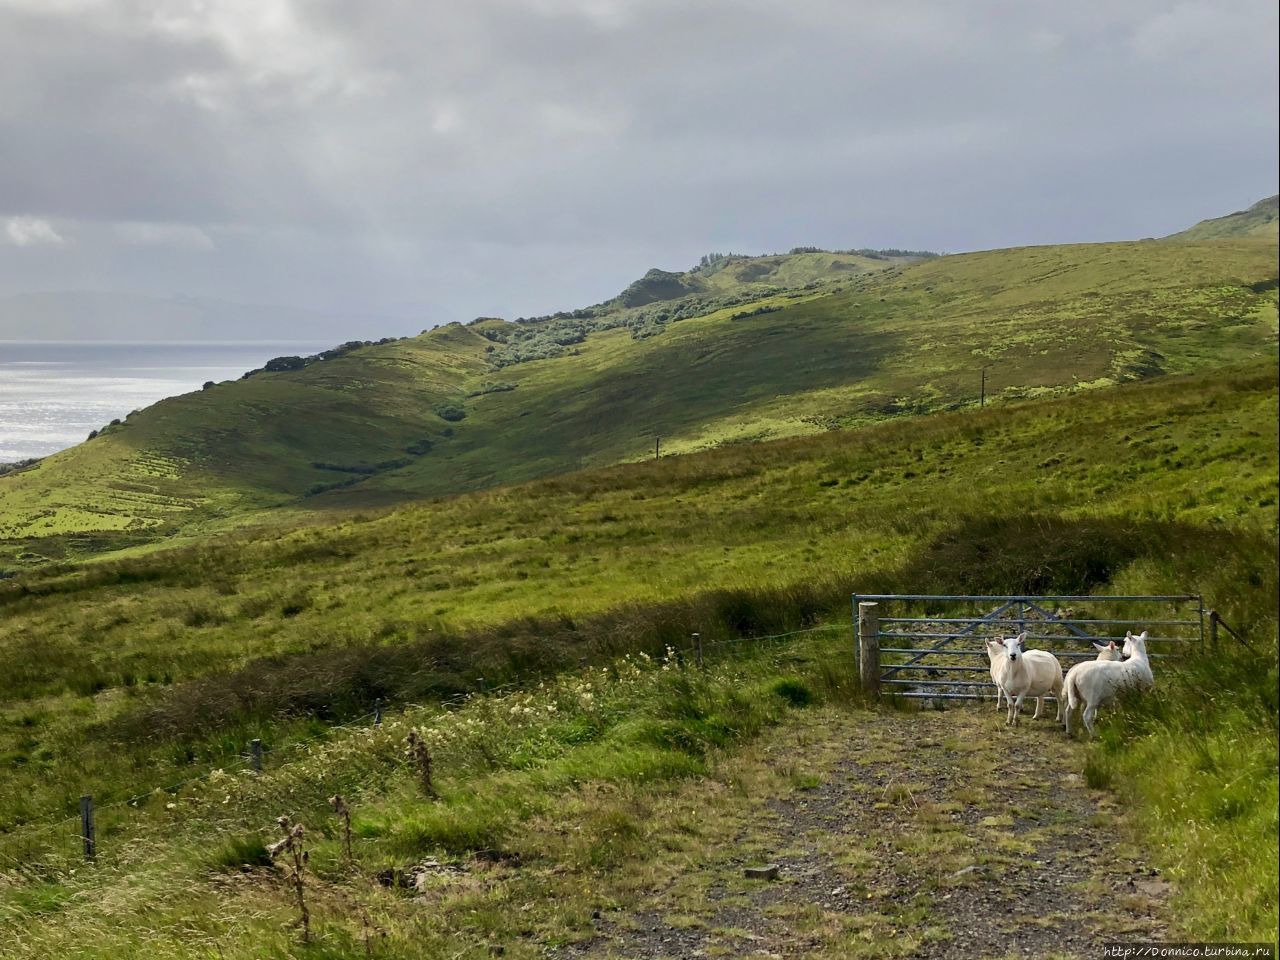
(53, 394)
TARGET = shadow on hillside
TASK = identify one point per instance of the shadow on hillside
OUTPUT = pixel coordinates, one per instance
(1024, 555)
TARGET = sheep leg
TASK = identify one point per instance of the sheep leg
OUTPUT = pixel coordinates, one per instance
(999, 694)
(1036, 715)
(1017, 707)
(1090, 711)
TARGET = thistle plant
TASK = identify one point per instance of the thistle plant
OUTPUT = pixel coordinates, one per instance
(419, 755)
(291, 846)
(340, 807)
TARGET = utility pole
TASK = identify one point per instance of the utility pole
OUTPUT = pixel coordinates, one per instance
(657, 444)
(982, 402)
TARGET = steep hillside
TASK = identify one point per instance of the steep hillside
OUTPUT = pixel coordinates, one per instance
(468, 407)
(1259, 220)
(130, 676)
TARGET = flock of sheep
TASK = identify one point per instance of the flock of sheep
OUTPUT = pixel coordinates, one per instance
(1020, 673)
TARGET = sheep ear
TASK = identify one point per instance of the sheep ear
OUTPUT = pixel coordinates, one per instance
(1022, 637)
(1098, 646)
(1143, 636)
(1128, 634)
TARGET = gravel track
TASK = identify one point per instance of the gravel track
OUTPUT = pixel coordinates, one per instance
(933, 834)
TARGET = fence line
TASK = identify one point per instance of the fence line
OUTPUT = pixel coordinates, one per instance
(33, 830)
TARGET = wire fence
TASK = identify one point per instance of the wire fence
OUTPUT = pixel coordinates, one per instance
(263, 777)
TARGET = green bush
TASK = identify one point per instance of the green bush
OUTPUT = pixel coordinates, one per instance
(795, 692)
(238, 853)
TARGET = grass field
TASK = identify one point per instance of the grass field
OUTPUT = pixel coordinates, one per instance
(131, 674)
(613, 809)
(415, 522)
(366, 429)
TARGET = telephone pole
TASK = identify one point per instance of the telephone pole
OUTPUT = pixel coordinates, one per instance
(982, 402)
(657, 442)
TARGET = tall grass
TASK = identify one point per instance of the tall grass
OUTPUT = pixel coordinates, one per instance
(1197, 760)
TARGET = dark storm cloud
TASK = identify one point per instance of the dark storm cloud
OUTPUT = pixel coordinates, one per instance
(441, 160)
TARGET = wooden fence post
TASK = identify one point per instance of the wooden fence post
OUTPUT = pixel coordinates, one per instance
(86, 828)
(255, 755)
(697, 646)
(1213, 629)
(869, 647)
(377, 712)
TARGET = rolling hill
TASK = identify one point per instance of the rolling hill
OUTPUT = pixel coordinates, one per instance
(420, 521)
(140, 679)
(766, 348)
(1260, 220)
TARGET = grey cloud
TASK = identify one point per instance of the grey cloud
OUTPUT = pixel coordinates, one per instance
(520, 155)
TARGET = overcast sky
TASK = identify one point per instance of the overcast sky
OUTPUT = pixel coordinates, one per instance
(433, 161)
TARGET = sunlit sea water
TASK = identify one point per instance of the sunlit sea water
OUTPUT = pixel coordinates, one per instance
(53, 394)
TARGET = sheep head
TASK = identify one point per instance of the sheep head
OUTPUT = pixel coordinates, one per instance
(1135, 645)
(1014, 647)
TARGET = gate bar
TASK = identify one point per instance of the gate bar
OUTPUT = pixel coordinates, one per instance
(942, 596)
(980, 653)
(1160, 623)
(968, 631)
(1030, 636)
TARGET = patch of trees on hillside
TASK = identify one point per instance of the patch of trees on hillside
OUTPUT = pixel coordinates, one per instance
(554, 336)
(285, 364)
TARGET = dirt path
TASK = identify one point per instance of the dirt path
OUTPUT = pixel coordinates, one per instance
(932, 834)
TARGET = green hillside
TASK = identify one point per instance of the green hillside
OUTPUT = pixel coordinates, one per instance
(133, 674)
(1260, 220)
(766, 347)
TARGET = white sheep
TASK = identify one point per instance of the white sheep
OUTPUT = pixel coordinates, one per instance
(1028, 673)
(1108, 651)
(1097, 683)
(996, 657)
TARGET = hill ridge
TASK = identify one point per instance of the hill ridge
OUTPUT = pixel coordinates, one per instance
(468, 406)
(1261, 219)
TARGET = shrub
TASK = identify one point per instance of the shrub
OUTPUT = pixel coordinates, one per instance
(795, 692)
(238, 853)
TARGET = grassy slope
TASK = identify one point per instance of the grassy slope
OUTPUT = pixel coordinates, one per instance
(907, 339)
(632, 798)
(510, 581)
(738, 274)
(1260, 220)
(625, 801)
(119, 681)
